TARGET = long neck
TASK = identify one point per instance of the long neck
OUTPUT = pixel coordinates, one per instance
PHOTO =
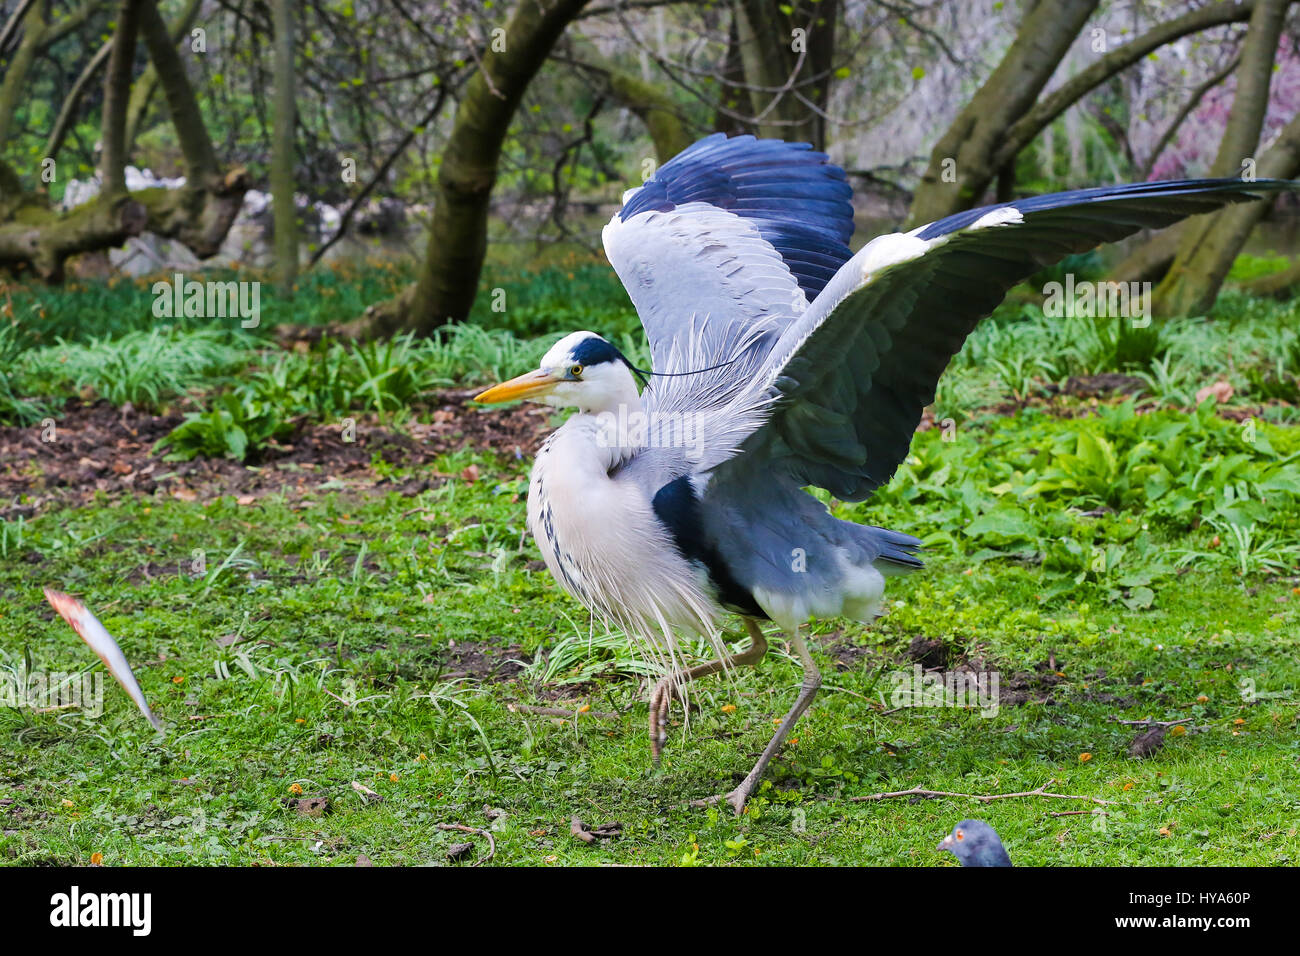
(615, 392)
(610, 424)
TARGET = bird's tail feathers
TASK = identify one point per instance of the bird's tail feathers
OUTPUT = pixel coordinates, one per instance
(895, 552)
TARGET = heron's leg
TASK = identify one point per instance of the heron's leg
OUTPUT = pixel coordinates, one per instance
(812, 680)
(671, 684)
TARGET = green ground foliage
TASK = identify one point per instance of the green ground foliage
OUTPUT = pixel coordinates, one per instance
(344, 666)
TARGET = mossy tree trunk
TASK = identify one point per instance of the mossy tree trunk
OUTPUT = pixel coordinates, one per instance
(144, 88)
(16, 74)
(457, 244)
(663, 119)
(1207, 245)
(1006, 114)
(200, 214)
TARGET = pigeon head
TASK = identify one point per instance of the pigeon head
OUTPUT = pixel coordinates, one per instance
(975, 843)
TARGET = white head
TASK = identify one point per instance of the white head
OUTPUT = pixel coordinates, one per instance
(581, 370)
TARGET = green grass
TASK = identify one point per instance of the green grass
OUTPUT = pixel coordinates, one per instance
(349, 608)
(1146, 549)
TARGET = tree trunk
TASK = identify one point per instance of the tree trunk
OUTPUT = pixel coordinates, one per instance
(35, 238)
(117, 91)
(962, 163)
(1193, 101)
(663, 120)
(145, 87)
(199, 214)
(201, 161)
(68, 112)
(457, 245)
(734, 102)
(1208, 244)
(1228, 229)
(284, 212)
(38, 36)
(1277, 284)
(1006, 115)
(16, 74)
(779, 63)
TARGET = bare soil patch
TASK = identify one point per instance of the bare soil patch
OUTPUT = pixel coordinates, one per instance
(98, 448)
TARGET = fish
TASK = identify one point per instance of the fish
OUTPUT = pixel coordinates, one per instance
(101, 642)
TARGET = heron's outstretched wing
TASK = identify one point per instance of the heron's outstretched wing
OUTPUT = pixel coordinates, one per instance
(852, 375)
(726, 244)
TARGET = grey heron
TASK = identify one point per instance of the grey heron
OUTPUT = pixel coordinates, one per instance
(781, 360)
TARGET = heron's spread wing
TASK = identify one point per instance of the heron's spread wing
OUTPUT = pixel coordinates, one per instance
(852, 375)
(727, 243)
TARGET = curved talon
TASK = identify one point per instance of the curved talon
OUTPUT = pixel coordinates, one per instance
(672, 685)
(736, 798)
(659, 701)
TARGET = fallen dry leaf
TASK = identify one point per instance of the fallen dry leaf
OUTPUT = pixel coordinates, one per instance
(370, 795)
(1220, 391)
(312, 806)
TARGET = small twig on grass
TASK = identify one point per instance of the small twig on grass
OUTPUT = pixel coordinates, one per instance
(1075, 813)
(559, 712)
(982, 798)
(1148, 722)
(492, 844)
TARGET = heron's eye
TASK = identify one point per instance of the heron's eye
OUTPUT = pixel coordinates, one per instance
(575, 371)
(960, 835)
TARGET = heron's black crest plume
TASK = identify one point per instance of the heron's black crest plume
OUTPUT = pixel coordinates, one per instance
(695, 371)
(595, 350)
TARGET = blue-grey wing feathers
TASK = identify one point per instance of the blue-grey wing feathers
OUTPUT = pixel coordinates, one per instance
(852, 375)
(796, 198)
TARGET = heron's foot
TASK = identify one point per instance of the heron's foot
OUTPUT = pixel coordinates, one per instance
(736, 798)
(812, 680)
(660, 698)
(674, 684)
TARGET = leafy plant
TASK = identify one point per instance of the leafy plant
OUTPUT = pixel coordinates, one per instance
(237, 426)
(13, 407)
(142, 367)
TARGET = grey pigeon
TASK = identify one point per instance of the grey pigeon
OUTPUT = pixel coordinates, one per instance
(975, 843)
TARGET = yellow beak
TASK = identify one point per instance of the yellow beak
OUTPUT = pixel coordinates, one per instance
(528, 385)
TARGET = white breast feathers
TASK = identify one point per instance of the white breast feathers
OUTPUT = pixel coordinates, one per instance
(603, 544)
